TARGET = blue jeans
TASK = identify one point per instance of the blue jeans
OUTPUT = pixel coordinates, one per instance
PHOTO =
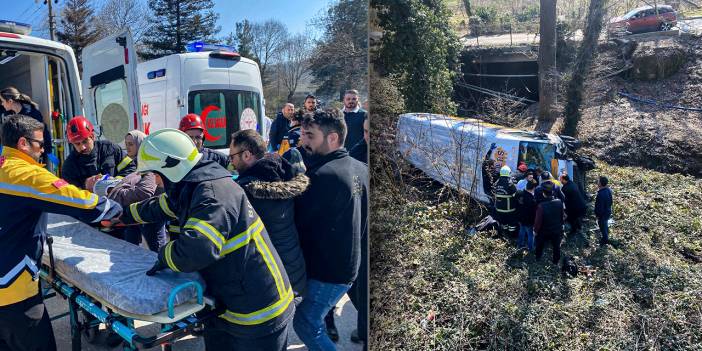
(604, 229)
(309, 316)
(526, 237)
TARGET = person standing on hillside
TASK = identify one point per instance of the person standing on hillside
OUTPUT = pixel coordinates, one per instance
(603, 208)
(575, 204)
(354, 116)
(548, 224)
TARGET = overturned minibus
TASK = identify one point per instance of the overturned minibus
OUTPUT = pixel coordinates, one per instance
(452, 150)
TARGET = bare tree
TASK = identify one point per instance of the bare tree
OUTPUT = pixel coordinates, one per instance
(268, 40)
(115, 15)
(583, 63)
(294, 63)
(547, 65)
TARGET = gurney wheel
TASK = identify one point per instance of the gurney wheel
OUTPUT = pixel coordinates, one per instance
(91, 333)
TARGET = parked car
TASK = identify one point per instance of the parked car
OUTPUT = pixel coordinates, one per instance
(644, 19)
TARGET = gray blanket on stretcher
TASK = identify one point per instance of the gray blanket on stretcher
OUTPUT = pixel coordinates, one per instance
(113, 269)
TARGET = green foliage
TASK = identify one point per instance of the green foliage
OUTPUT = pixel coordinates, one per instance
(487, 14)
(178, 22)
(420, 49)
(341, 58)
(76, 29)
(529, 13)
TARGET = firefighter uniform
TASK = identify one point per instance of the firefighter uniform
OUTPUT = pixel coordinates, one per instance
(223, 238)
(505, 209)
(27, 193)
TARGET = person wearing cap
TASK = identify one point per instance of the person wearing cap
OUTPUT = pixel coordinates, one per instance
(191, 124)
(548, 223)
(27, 193)
(91, 160)
(222, 238)
(505, 192)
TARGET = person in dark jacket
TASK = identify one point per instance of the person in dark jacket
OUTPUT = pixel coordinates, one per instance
(27, 193)
(548, 223)
(13, 101)
(354, 116)
(547, 178)
(271, 184)
(489, 173)
(331, 217)
(360, 150)
(222, 238)
(192, 125)
(603, 208)
(92, 159)
(505, 209)
(526, 213)
(280, 126)
(575, 204)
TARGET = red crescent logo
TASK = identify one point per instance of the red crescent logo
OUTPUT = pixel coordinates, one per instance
(203, 115)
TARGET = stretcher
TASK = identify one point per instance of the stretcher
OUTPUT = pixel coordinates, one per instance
(104, 279)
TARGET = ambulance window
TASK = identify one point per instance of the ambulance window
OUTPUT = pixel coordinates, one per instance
(536, 155)
(111, 107)
(225, 112)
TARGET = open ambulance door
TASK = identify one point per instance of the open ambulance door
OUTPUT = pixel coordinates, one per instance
(110, 87)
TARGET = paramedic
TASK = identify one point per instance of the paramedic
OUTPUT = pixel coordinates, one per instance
(354, 116)
(90, 159)
(192, 125)
(15, 102)
(548, 224)
(27, 193)
(222, 238)
(331, 217)
(505, 210)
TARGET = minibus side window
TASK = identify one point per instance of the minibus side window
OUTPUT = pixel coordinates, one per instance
(536, 155)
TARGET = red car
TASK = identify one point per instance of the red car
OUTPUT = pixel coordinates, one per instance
(644, 19)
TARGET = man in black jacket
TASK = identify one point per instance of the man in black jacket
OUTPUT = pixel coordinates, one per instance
(575, 204)
(548, 224)
(360, 150)
(280, 126)
(331, 217)
(545, 177)
(354, 116)
(90, 159)
(603, 208)
(271, 184)
(526, 212)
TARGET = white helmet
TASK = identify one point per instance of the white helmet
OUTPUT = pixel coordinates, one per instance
(505, 171)
(169, 152)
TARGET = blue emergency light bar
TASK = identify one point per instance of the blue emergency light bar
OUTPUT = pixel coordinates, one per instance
(198, 46)
(15, 27)
(156, 74)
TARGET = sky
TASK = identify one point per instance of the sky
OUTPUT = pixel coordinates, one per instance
(295, 14)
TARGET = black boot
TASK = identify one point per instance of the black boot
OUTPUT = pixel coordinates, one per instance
(331, 327)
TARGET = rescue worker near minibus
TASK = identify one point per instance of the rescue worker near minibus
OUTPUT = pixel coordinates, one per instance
(192, 125)
(505, 206)
(13, 101)
(223, 238)
(27, 193)
(92, 159)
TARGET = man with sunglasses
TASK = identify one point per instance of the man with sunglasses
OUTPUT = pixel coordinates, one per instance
(27, 192)
(191, 124)
(92, 159)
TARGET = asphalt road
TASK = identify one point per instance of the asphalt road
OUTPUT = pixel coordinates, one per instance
(345, 323)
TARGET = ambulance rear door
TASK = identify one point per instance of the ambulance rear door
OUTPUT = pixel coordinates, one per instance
(110, 87)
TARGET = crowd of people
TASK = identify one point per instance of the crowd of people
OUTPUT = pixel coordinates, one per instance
(278, 243)
(536, 207)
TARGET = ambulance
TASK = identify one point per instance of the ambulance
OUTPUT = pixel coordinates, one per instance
(47, 72)
(212, 81)
(452, 150)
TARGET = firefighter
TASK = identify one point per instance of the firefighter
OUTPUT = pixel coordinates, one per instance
(223, 238)
(91, 159)
(192, 125)
(505, 192)
(27, 193)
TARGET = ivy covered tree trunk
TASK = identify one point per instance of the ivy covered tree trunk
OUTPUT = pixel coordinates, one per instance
(548, 88)
(583, 62)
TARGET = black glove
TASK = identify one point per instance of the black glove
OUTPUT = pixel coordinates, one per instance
(157, 267)
(493, 146)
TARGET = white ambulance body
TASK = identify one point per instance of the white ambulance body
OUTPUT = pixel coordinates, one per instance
(47, 72)
(220, 86)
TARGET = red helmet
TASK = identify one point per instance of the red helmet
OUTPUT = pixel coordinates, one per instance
(78, 129)
(191, 121)
(522, 167)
